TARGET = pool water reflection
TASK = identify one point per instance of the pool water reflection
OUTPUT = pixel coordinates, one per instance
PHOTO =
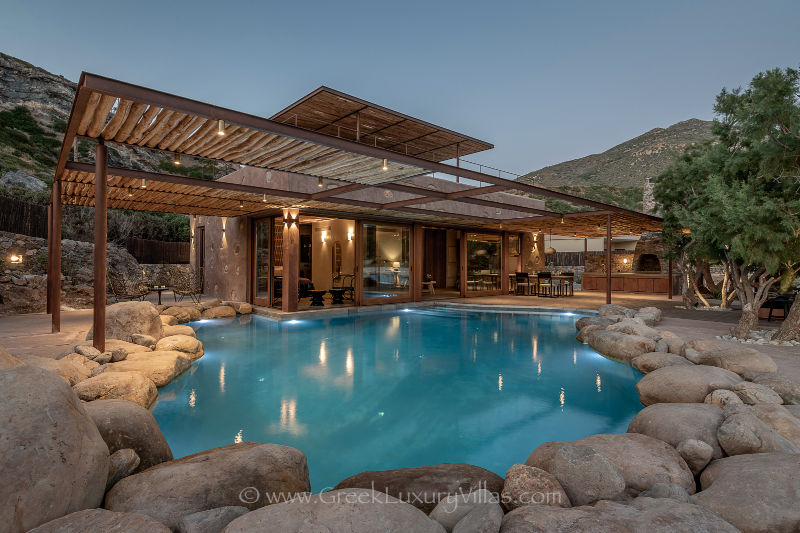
(393, 390)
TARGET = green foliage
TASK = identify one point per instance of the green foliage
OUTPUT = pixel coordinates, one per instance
(26, 138)
(740, 196)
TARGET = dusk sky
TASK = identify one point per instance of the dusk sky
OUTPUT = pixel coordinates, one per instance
(544, 81)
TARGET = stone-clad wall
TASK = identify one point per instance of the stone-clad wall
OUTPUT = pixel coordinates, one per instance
(226, 256)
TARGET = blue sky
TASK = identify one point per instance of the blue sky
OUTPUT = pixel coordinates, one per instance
(544, 81)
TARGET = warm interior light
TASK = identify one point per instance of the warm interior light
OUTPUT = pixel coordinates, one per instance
(241, 203)
(176, 159)
(220, 128)
(324, 236)
(625, 261)
(130, 192)
(144, 184)
(349, 235)
(264, 199)
(562, 219)
(385, 166)
(319, 182)
(15, 259)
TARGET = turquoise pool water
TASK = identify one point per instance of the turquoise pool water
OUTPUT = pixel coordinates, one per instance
(393, 390)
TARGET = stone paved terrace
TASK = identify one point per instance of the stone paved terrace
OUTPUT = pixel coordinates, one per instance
(30, 334)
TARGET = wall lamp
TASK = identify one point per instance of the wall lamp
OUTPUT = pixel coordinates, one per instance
(15, 259)
(290, 220)
(350, 235)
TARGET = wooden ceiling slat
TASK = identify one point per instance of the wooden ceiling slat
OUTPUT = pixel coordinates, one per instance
(88, 113)
(190, 143)
(142, 125)
(133, 118)
(172, 141)
(166, 129)
(158, 126)
(117, 120)
(100, 115)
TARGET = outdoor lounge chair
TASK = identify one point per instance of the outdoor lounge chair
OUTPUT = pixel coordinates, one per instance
(545, 285)
(188, 283)
(523, 283)
(126, 289)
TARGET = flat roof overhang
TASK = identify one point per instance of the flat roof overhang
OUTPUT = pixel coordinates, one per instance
(117, 112)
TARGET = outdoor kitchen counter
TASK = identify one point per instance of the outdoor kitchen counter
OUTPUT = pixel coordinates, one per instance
(651, 282)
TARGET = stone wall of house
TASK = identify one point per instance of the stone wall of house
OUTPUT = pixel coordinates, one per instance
(226, 254)
(650, 244)
(23, 286)
(620, 262)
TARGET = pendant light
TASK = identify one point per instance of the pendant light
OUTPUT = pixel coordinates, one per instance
(144, 184)
(176, 159)
(550, 250)
(385, 166)
(220, 128)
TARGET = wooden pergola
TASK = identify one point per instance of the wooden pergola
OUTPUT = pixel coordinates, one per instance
(345, 143)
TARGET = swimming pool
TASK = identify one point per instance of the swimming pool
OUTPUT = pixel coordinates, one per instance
(392, 390)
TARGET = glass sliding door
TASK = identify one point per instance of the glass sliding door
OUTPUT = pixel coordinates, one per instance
(386, 262)
(484, 253)
(261, 277)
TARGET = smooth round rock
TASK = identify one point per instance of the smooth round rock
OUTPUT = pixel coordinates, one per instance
(101, 520)
(52, 457)
(343, 510)
(620, 346)
(124, 424)
(683, 384)
(528, 485)
(648, 362)
(131, 386)
(677, 422)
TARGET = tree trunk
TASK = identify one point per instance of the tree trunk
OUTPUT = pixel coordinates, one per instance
(790, 329)
(747, 322)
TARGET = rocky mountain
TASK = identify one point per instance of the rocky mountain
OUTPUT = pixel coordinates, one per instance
(618, 175)
(34, 109)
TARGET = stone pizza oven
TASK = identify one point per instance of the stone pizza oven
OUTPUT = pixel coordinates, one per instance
(648, 256)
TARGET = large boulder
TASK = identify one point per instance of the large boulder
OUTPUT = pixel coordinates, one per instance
(781, 420)
(168, 320)
(528, 485)
(756, 493)
(619, 345)
(753, 393)
(677, 422)
(696, 453)
(101, 520)
(642, 460)
(182, 343)
(583, 334)
(180, 329)
(427, 484)
(585, 475)
(69, 371)
(243, 308)
(52, 457)
(633, 326)
(221, 311)
(451, 509)
(344, 510)
(210, 479)
(787, 389)
(684, 384)
(650, 310)
(742, 432)
(739, 359)
(180, 314)
(722, 397)
(124, 424)
(160, 367)
(647, 362)
(486, 518)
(211, 521)
(593, 321)
(122, 463)
(649, 515)
(131, 386)
(128, 318)
(615, 310)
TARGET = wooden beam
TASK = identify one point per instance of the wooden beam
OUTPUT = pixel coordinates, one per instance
(338, 190)
(608, 258)
(50, 254)
(55, 304)
(100, 238)
(291, 261)
(78, 107)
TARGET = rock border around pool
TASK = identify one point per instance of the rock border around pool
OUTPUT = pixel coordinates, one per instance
(714, 449)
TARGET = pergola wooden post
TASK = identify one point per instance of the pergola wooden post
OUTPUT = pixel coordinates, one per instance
(100, 231)
(504, 263)
(54, 264)
(462, 265)
(608, 258)
(669, 282)
(50, 255)
(291, 260)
